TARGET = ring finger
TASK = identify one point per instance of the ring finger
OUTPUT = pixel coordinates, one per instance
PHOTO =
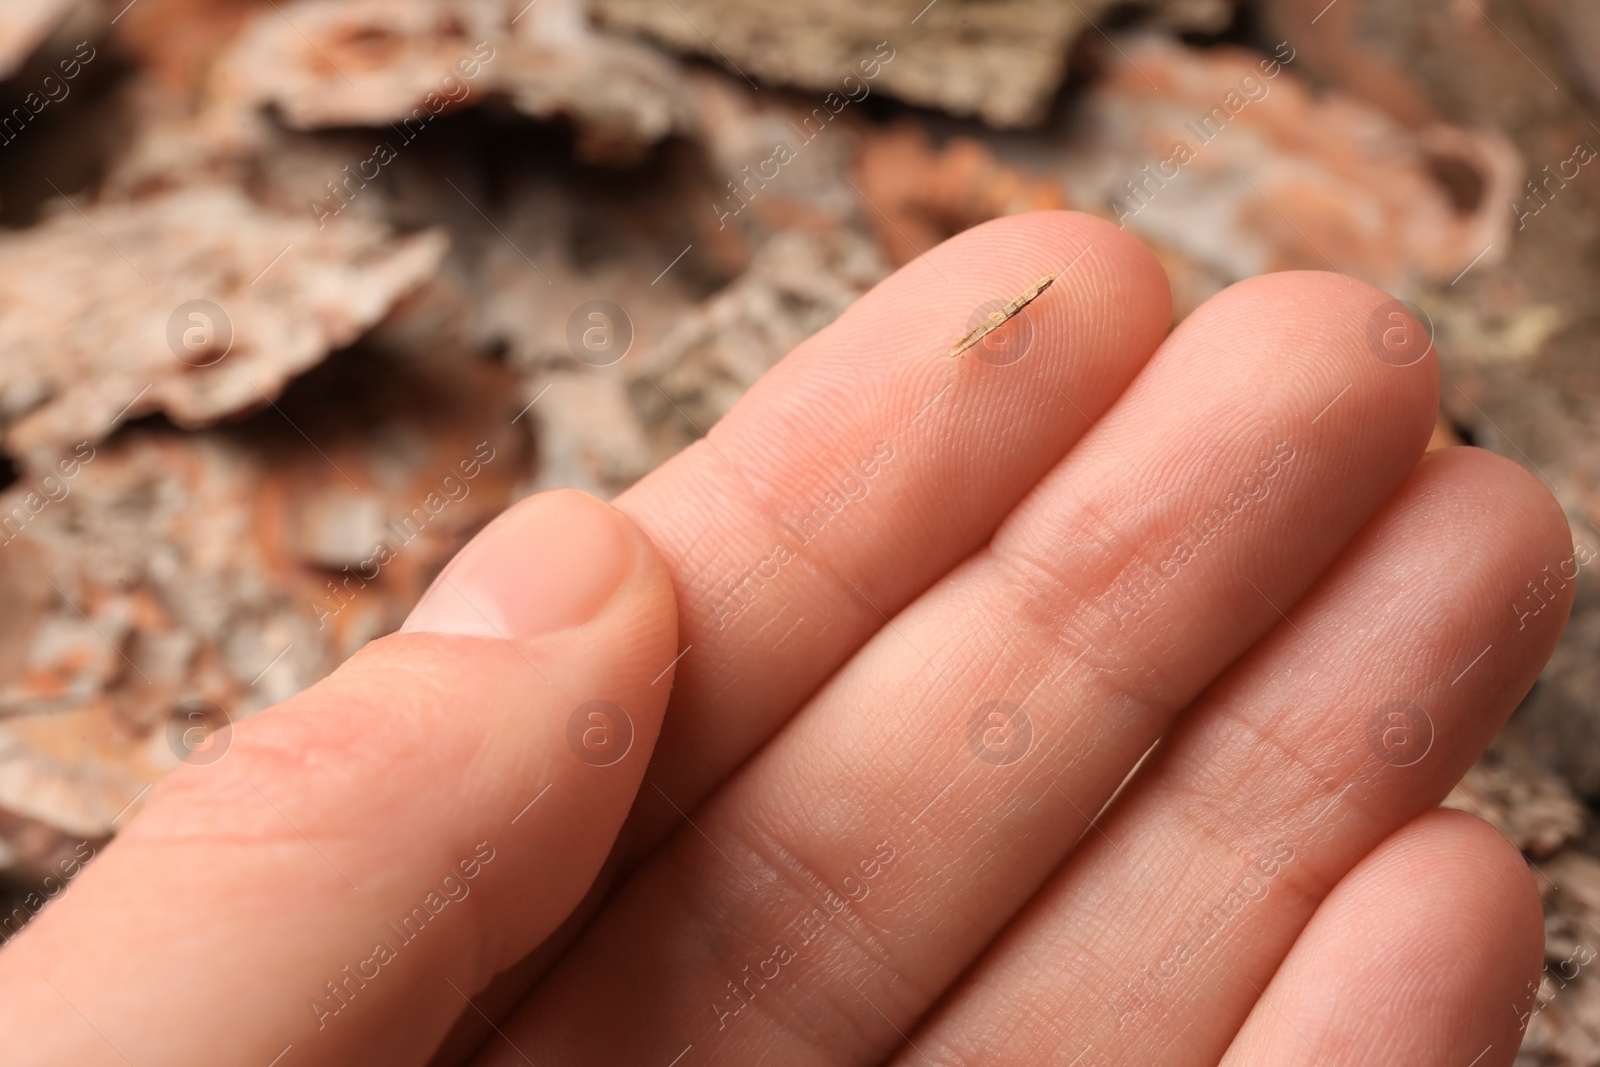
(1360, 712)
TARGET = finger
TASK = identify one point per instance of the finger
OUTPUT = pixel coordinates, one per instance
(1360, 712)
(867, 463)
(1425, 954)
(860, 861)
(377, 847)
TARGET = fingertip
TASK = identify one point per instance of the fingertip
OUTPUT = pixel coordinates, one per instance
(1427, 953)
(1464, 857)
(1338, 331)
(1512, 516)
(1473, 933)
(1520, 494)
(647, 598)
(1110, 301)
(1110, 266)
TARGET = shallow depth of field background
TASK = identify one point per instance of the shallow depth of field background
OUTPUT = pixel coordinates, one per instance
(276, 276)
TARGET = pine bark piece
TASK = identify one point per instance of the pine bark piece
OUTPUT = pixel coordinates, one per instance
(1248, 171)
(1001, 60)
(1563, 1028)
(917, 196)
(400, 63)
(797, 284)
(231, 566)
(93, 320)
(1533, 808)
(603, 430)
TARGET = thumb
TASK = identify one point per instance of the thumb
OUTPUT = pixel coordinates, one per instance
(368, 854)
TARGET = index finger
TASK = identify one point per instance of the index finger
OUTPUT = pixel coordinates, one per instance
(868, 463)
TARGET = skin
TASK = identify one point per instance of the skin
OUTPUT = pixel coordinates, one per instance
(824, 848)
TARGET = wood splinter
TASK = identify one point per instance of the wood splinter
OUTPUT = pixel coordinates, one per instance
(999, 318)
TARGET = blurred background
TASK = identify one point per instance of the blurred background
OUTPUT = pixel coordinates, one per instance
(295, 295)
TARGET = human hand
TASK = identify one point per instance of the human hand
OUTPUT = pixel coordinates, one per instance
(919, 617)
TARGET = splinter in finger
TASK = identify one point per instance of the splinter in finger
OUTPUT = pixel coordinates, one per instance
(999, 318)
